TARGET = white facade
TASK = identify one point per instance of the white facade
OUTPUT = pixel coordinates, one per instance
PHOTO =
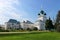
(12, 26)
(2, 27)
(40, 23)
(26, 25)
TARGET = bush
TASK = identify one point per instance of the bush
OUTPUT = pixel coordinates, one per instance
(4, 30)
(29, 29)
(22, 29)
(35, 28)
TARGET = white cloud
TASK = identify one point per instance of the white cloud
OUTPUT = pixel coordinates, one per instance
(8, 11)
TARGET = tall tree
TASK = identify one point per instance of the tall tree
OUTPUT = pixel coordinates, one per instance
(57, 24)
(58, 17)
(49, 24)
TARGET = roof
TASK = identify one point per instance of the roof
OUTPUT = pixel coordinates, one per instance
(27, 22)
(13, 21)
(42, 12)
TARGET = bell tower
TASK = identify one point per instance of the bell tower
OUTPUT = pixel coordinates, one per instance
(42, 16)
(40, 23)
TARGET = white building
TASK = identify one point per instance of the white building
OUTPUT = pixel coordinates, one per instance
(12, 24)
(27, 24)
(40, 23)
(2, 27)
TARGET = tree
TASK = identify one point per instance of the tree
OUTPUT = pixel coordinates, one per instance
(28, 29)
(49, 24)
(58, 17)
(57, 24)
(35, 28)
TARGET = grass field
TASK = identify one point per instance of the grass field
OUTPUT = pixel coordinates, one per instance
(31, 36)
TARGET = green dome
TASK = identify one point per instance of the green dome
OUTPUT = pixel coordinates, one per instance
(42, 12)
(45, 14)
(38, 13)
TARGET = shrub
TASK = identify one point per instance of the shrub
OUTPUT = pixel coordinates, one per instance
(35, 28)
(28, 29)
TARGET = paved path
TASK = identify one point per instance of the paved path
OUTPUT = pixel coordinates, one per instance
(20, 32)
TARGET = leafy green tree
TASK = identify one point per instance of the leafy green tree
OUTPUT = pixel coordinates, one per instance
(35, 28)
(49, 24)
(28, 29)
(58, 17)
(57, 24)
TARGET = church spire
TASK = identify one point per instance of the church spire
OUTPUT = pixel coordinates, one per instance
(41, 6)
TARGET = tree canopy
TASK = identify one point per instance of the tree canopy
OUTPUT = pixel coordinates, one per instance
(49, 24)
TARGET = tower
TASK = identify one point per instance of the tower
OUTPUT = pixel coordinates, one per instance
(42, 16)
(40, 23)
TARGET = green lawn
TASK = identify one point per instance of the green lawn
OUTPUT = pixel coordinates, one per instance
(31, 36)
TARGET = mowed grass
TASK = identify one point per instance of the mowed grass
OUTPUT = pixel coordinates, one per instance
(31, 36)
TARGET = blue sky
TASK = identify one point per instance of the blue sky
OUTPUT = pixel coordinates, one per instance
(27, 9)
